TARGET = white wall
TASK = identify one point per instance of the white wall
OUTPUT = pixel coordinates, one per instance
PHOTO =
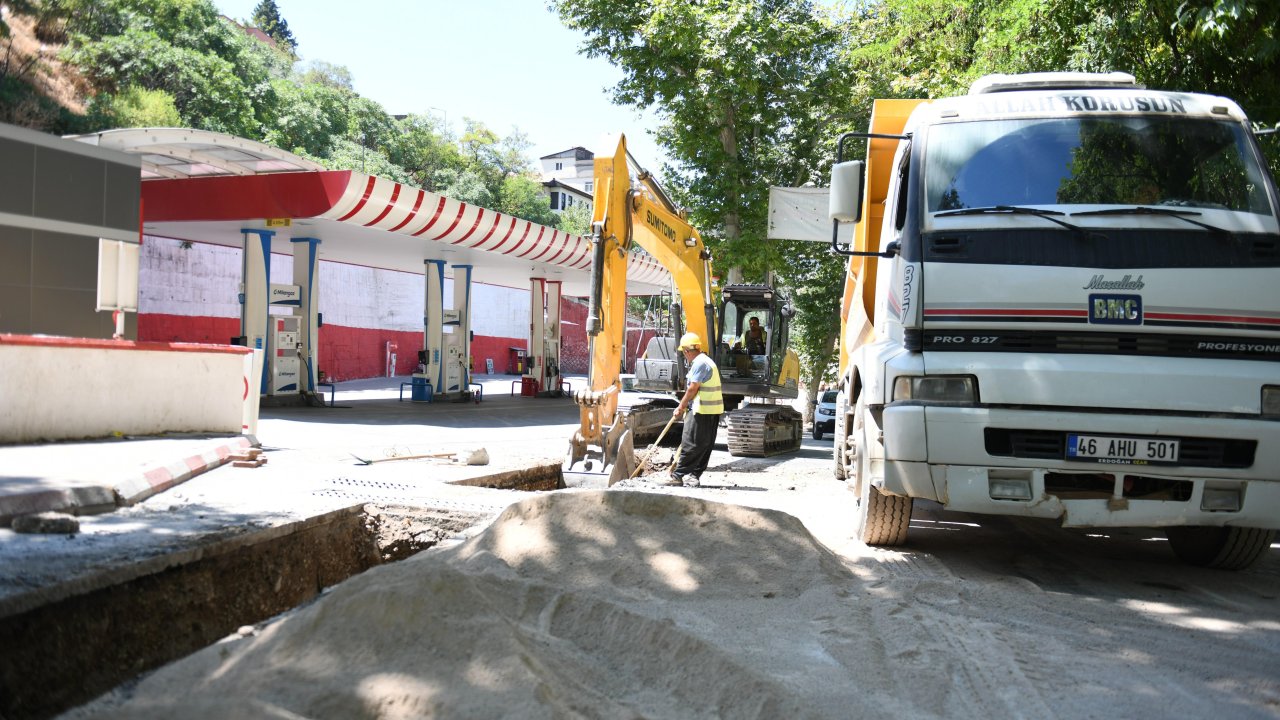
(364, 297)
(499, 311)
(66, 389)
(203, 281)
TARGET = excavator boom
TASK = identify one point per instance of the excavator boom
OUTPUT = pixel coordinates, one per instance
(628, 216)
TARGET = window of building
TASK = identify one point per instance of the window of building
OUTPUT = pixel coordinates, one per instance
(559, 166)
(591, 187)
(555, 200)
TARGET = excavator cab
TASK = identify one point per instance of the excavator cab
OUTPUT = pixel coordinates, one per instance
(751, 353)
(751, 347)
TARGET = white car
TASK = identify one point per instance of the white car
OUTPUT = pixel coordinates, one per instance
(824, 417)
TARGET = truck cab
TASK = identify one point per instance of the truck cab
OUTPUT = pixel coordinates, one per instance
(1074, 314)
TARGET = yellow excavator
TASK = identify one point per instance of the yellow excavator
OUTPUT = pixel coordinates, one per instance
(629, 216)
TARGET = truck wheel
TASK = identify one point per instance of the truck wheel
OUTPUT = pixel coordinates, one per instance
(882, 519)
(817, 433)
(1225, 548)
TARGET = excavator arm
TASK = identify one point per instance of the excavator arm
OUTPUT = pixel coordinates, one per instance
(627, 215)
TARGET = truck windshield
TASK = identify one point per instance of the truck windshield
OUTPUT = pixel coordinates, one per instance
(1090, 160)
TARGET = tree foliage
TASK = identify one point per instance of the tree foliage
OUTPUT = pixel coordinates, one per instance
(575, 219)
(139, 107)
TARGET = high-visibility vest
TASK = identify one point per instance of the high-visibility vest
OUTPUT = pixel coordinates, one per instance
(710, 401)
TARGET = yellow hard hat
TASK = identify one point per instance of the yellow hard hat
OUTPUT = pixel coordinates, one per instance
(689, 340)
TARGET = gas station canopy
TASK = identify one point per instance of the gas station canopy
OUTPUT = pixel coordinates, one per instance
(209, 187)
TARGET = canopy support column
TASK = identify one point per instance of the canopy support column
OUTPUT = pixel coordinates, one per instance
(433, 325)
(306, 275)
(544, 335)
(255, 293)
(458, 343)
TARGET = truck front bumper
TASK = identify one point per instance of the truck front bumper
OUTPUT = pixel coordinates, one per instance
(947, 454)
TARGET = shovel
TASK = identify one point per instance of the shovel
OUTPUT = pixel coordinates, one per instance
(470, 457)
(640, 465)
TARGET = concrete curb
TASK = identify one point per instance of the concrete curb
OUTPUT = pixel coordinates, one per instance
(159, 478)
(90, 499)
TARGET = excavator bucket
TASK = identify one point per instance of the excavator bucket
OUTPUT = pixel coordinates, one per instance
(590, 466)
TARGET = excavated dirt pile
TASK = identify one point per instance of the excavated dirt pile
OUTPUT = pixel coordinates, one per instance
(587, 604)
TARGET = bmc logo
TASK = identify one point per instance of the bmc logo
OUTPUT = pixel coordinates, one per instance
(1115, 309)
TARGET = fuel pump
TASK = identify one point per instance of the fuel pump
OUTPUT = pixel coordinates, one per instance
(284, 345)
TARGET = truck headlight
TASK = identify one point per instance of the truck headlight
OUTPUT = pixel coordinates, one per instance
(1271, 400)
(937, 388)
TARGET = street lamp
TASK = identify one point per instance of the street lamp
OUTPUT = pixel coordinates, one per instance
(444, 117)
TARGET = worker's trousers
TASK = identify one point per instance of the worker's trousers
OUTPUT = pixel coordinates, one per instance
(696, 443)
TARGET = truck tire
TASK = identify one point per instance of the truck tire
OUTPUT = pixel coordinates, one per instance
(883, 519)
(1224, 548)
(817, 432)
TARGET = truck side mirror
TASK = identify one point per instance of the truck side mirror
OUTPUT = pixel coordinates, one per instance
(845, 204)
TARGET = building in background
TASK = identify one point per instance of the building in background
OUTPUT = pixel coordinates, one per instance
(568, 178)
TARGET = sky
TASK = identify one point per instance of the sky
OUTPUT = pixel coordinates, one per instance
(507, 63)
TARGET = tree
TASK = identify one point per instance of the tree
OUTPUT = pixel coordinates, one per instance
(219, 79)
(521, 196)
(815, 278)
(267, 18)
(319, 72)
(728, 79)
(136, 107)
(575, 219)
(424, 148)
(347, 154)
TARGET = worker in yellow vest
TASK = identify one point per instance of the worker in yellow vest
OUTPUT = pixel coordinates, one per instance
(704, 395)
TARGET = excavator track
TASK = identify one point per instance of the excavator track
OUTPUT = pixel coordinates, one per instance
(763, 430)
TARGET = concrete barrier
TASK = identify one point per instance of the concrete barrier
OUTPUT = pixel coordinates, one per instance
(56, 388)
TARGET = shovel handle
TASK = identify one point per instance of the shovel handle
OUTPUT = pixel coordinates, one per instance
(653, 447)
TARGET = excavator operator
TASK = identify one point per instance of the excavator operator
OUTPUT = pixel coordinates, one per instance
(708, 405)
(753, 341)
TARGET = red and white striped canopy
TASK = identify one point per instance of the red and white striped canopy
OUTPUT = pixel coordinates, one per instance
(209, 187)
(373, 202)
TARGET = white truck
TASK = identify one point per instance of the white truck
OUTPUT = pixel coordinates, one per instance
(1063, 301)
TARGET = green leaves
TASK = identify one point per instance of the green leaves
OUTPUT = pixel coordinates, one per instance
(139, 107)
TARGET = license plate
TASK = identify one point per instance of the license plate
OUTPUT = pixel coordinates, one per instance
(1111, 449)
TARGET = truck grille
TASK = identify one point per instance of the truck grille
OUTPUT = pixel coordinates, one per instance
(1052, 445)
